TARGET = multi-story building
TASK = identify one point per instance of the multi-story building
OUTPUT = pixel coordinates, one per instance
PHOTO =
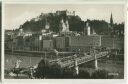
(83, 43)
(112, 42)
(66, 12)
(47, 44)
(62, 43)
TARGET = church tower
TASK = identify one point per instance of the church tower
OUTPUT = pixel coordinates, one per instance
(65, 26)
(88, 28)
(112, 29)
(111, 20)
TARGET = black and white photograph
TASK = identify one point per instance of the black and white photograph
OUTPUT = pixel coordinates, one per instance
(64, 41)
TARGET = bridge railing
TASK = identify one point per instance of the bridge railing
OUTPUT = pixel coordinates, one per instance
(80, 60)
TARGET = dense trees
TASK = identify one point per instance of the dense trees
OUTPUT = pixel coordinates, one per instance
(119, 29)
(100, 26)
(76, 24)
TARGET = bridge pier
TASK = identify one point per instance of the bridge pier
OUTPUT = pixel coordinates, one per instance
(96, 63)
(76, 68)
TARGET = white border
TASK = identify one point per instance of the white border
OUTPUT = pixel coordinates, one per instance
(61, 81)
(63, 2)
(67, 1)
(2, 45)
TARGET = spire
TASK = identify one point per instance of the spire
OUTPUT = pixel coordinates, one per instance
(111, 20)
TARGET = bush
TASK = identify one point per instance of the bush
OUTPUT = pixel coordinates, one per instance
(46, 70)
(100, 74)
(84, 74)
(42, 69)
(68, 73)
(54, 71)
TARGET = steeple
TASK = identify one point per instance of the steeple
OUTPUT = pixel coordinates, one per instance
(111, 20)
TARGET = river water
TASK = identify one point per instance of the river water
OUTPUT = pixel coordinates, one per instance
(25, 61)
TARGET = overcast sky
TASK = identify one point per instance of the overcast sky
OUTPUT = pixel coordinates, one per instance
(17, 14)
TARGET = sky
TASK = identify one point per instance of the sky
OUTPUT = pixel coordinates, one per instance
(17, 14)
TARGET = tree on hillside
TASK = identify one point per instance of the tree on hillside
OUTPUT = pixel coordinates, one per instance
(100, 27)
